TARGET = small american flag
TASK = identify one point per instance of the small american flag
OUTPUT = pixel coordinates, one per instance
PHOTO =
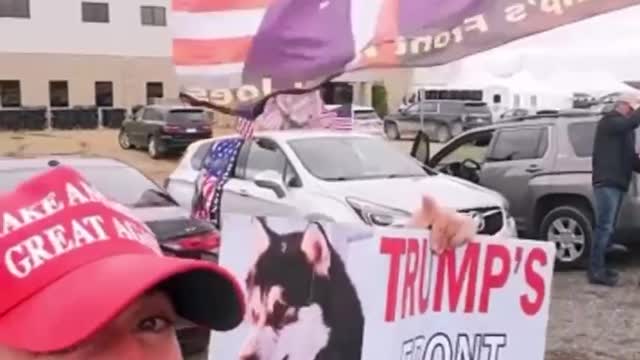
(340, 119)
(245, 127)
(217, 168)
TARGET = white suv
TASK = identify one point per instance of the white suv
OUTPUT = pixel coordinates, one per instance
(343, 177)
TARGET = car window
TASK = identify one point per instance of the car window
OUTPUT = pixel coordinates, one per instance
(412, 109)
(152, 114)
(474, 148)
(429, 107)
(187, 115)
(147, 114)
(365, 115)
(581, 136)
(477, 107)
(122, 184)
(352, 158)
(264, 155)
(199, 155)
(519, 144)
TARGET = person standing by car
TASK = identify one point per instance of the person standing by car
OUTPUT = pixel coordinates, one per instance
(614, 160)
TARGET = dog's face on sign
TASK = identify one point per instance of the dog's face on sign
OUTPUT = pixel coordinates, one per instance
(285, 321)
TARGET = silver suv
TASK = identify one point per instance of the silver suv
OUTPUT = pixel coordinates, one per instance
(542, 165)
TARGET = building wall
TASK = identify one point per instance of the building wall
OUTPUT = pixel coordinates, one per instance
(56, 27)
(55, 44)
(129, 76)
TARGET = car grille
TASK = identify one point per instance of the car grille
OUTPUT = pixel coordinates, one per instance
(490, 219)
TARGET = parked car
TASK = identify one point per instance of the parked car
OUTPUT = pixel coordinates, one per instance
(164, 128)
(179, 235)
(514, 113)
(353, 178)
(365, 119)
(443, 119)
(542, 165)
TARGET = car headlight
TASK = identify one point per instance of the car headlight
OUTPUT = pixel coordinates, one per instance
(378, 215)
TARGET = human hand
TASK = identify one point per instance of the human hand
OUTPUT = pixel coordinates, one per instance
(449, 229)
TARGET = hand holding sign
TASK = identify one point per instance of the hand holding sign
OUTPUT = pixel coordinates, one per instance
(449, 229)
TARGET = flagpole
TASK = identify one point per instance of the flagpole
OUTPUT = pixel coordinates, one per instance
(420, 100)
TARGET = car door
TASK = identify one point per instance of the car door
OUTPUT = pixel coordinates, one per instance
(152, 120)
(470, 150)
(515, 156)
(182, 182)
(428, 111)
(132, 127)
(139, 131)
(242, 195)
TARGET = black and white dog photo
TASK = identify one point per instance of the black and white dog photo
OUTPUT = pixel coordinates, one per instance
(301, 304)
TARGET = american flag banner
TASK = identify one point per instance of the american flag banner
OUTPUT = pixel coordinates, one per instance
(341, 118)
(217, 167)
(245, 127)
(229, 43)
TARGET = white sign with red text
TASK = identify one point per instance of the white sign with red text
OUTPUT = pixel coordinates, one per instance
(331, 291)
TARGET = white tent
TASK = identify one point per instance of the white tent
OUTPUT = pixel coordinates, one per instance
(524, 82)
(474, 79)
(595, 83)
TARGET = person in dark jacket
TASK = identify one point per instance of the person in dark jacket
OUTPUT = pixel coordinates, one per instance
(614, 160)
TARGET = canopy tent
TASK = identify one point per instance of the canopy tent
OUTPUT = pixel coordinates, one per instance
(594, 83)
(474, 79)
(525, 82)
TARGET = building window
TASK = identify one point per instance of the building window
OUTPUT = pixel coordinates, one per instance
(14, 8)
(497, 99)
(153, 15)
(534, 101)
(104, 93)
(516, 101)
(58, 94)
(154, 91)
(95, 12)
(10, 93)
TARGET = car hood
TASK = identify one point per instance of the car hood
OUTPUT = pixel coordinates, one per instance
(404, 193)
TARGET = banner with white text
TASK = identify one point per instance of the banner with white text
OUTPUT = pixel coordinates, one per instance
(333, 291)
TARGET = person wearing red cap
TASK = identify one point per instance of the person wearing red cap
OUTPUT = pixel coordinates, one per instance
(80, 278)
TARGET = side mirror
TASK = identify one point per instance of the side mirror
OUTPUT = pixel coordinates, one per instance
(421, 149)
(270, 179)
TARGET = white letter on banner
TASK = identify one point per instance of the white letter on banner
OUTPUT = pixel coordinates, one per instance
(439, 341)
(494, 343)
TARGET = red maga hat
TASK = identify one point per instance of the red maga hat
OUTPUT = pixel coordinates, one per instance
(71, 261)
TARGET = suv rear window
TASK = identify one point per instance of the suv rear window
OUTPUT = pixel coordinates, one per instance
(581, 136)
(476, 107)
(187, 115)
(365, 115)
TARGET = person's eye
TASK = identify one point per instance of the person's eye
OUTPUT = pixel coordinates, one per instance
(155, 324)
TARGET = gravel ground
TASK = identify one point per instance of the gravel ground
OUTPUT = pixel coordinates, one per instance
(586, 322)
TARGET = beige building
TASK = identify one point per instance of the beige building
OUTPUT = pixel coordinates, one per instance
(107, 53)
(110, 53)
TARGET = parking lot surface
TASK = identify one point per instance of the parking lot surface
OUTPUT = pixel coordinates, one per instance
(585, 322)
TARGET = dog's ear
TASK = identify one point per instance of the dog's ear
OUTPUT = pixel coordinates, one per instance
(261, 238)
(316, 248)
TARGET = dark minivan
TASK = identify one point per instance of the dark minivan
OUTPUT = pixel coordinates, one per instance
(164, 128)
(441, 119)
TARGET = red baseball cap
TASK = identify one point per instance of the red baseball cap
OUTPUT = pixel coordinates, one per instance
(71, 261)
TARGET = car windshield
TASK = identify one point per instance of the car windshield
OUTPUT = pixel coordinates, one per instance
(354, 158)
(121, 184)
(186, 115)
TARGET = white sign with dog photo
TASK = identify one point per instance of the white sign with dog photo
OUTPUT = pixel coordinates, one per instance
(326, 291)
